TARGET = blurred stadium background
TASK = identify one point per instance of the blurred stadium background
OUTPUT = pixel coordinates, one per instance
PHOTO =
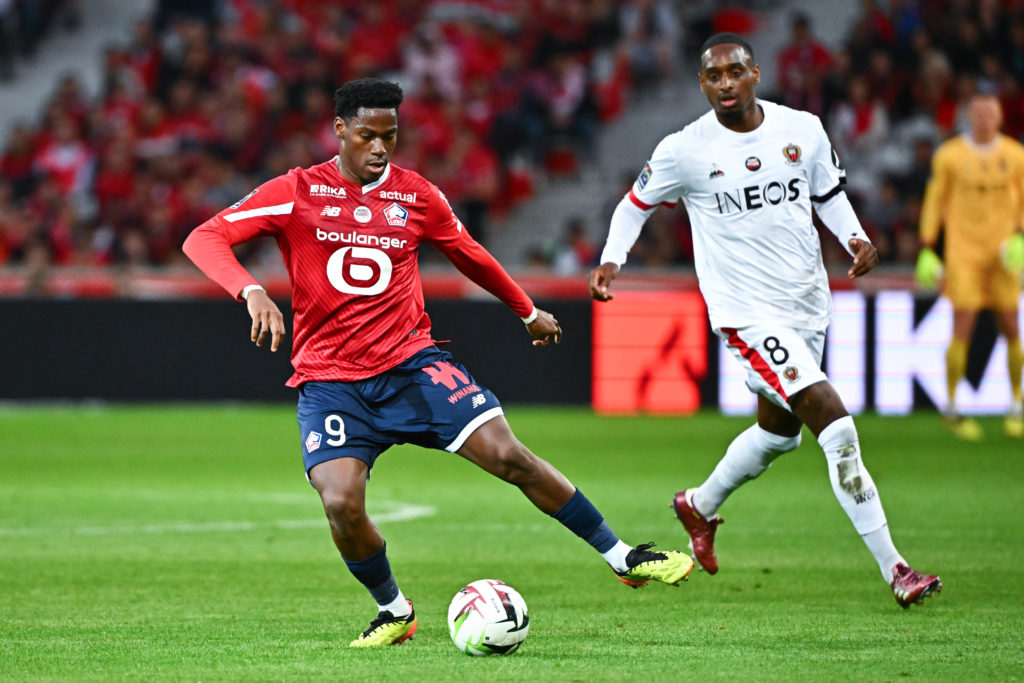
(125, 124)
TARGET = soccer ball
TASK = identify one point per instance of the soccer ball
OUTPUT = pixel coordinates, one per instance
(488, 617)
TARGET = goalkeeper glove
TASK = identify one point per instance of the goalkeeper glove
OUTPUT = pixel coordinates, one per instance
(929, 268)
(1012, 252)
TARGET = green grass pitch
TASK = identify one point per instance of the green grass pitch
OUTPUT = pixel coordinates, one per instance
(183, 543)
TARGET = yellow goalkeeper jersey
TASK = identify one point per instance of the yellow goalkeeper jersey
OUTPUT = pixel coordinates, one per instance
(976, 194)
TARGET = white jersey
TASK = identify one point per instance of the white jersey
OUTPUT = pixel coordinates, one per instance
(748, 195)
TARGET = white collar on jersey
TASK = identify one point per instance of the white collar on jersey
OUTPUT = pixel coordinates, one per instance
(375, 184)
(380, 181)
(982, 147)
(765, 108)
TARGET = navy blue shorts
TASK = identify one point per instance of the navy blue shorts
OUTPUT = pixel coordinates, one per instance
(429, 400)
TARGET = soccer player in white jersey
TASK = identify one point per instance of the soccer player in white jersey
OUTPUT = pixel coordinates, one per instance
(749, 173)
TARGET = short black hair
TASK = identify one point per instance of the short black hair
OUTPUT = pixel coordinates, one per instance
(371, 93)
(726, 38)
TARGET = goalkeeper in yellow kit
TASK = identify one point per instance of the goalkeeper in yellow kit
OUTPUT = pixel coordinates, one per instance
(976, 195)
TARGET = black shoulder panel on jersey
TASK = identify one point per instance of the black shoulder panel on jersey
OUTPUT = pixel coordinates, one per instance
(828, 195)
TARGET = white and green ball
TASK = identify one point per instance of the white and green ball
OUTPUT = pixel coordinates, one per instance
(488, 617)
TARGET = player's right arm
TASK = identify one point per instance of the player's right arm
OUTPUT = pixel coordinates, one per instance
(936, 195)
(263, 212)
(929, 266)
(627, 221)
(658, 184)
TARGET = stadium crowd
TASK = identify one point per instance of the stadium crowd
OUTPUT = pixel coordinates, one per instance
(200, 106)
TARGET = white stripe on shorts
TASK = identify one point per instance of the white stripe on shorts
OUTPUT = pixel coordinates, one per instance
(473, 425)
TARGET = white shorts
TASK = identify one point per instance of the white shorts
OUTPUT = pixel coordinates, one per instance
(780, 361)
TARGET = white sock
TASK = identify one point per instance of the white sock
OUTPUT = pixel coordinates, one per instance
(879, 542)
(398, 607)
(856, 492)
(616, 557)
(747, 457)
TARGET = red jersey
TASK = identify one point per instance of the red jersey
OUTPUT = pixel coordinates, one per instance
(351, 255)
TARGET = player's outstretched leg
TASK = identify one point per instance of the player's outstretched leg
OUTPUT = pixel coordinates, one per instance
(749, 454)
(494, 448)
(857, 494)
(635, 567)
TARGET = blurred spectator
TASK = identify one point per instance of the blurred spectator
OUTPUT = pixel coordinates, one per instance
(905, 19)
(651, 30)
(17, 161)
(801, 68)
(964, 51)
(564, 103)
(575, 253)
(882, 217)
(889, 84)
(471, 180)
(428, 55)
(914, 180)
(66, 159)
(860, 128)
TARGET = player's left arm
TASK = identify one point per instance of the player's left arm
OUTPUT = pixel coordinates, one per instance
(826, 178)
(838, 216)
(1011, 251)
(447, 233)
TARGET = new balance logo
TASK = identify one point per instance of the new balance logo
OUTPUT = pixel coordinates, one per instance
(478, 400)
(331, 211)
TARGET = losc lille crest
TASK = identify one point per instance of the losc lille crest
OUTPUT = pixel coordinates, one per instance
(396, 215)
(792, 154)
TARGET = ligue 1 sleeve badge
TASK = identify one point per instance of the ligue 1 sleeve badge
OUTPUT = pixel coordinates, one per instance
(243, 199)
(313, 441)
(792, 154)
(645, 175)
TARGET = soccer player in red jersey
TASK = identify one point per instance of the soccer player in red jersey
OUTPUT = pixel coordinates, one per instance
(367, 371)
